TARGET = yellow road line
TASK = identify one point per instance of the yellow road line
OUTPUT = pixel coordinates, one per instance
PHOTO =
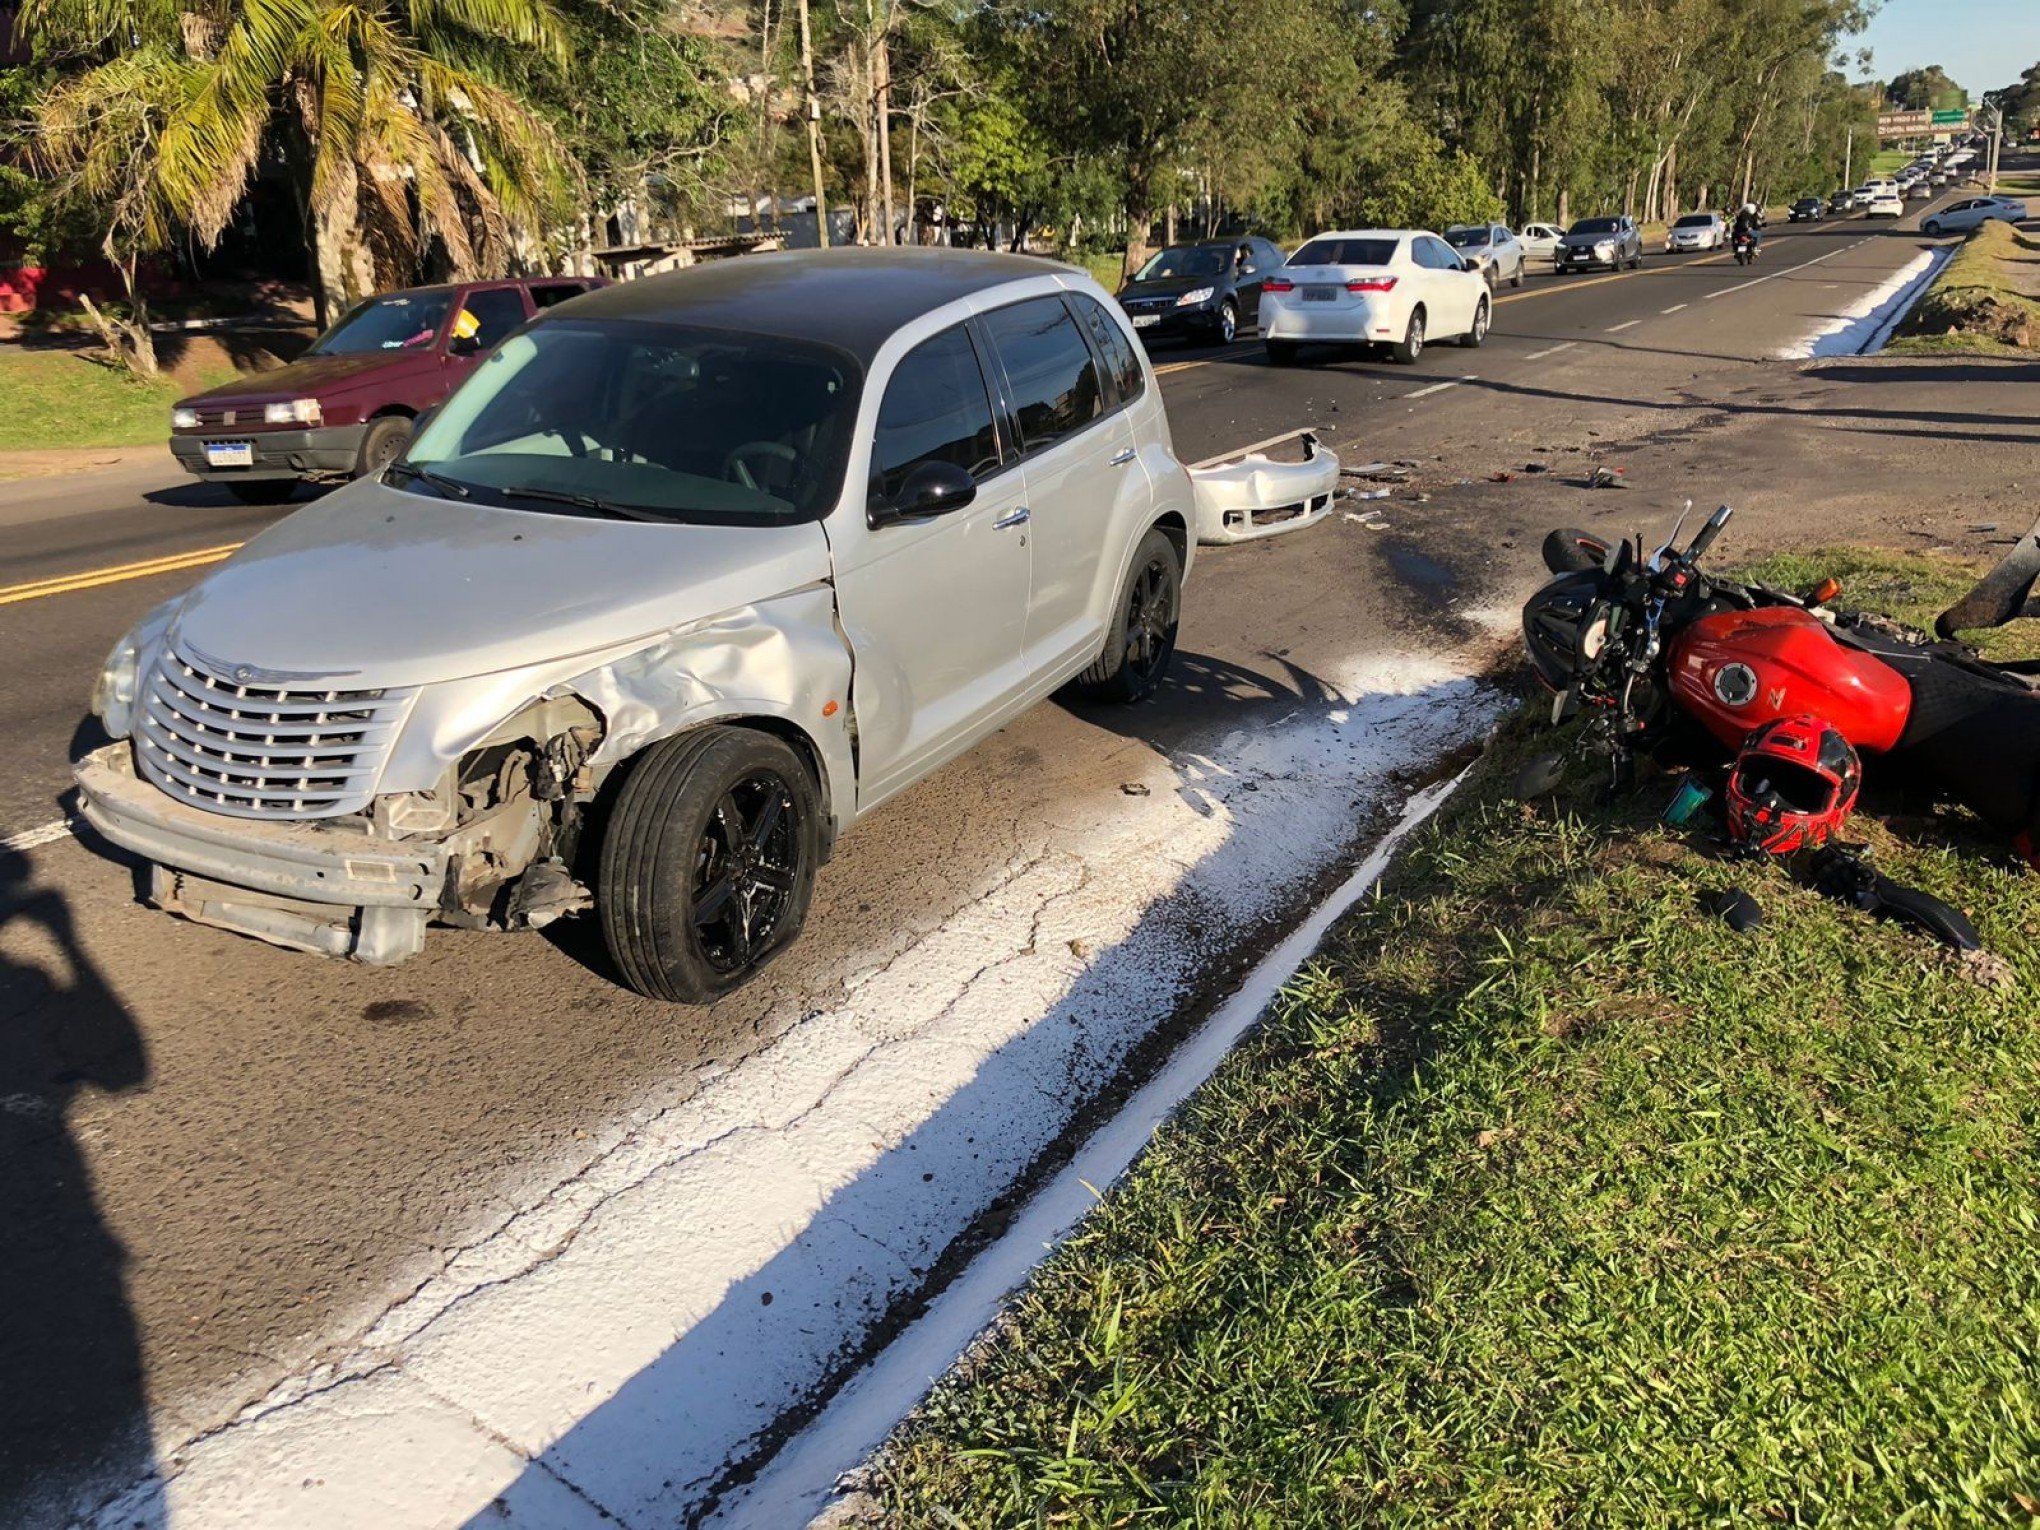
(66, 584)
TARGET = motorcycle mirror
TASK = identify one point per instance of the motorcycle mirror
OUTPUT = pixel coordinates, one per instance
(1540, 777)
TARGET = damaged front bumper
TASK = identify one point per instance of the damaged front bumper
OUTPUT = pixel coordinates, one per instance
(321, 887)
(1251, 496)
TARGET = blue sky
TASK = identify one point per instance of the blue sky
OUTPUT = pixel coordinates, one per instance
(1981, 43)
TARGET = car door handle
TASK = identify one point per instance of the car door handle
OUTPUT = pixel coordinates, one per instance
(1124, 457)
(1019, 517)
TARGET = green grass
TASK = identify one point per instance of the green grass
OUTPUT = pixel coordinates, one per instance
(1541, 1198)
(55, 398)
(1105, 266)
(1986, 298)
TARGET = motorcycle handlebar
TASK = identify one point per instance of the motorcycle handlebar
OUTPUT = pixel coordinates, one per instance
(1704, 538)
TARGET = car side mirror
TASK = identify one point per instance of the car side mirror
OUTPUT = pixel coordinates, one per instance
(464, 345)
(932, 489)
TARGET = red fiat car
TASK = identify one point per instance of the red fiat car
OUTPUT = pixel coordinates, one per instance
(346, 406)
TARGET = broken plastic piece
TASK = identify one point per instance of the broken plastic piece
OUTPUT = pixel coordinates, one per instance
(1255, 496)
(1741, 912)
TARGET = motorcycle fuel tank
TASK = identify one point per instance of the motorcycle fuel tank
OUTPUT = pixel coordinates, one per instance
(1738, 669)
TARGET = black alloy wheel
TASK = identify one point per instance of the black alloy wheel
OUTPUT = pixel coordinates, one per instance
(1142, 638)
(746, 869)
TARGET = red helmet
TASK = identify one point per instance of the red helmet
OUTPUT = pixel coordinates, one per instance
(1794, 783)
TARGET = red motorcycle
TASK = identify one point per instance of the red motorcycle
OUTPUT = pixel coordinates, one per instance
(1658, 653)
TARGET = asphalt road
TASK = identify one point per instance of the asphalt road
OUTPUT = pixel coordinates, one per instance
(229, 1151)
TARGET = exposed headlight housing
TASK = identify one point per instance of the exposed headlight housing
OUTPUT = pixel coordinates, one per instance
(296, 411)
(183, 419)
(120, 677)
(1195, 296)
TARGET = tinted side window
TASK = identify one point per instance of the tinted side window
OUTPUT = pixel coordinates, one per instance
(1117, 350)
(935, 409)
(499, 309)
(1055, 389)
(545, 296)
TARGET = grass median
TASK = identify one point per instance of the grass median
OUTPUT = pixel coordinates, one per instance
(1986, 299)
(1542, 1197)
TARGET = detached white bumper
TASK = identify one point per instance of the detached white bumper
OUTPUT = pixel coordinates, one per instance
(1254, 496)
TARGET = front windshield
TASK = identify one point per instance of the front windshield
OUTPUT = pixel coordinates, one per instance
(1186, 260)
(1596, 226)
(400, 322)
(654, 422)
(1465, 238)
(1696, 220)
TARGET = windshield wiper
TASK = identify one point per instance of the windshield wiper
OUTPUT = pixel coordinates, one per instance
(588, 502)
(447, 486)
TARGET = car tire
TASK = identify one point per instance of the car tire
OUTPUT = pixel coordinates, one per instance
(1411, 346)
(1281, 353)
(1931, 228)
(1141, 638)
(264, 491)
(1483, 315)
(720, 813)
(1517, 279)
(1494, 279)
(382, 444)
(1228, 322)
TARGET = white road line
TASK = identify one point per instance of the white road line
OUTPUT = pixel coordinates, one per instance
(1673, 309)
(1438, 387)
(28, 839)
(794, 1485)
(1550, 351)
(1616, 329)
(1744, 286)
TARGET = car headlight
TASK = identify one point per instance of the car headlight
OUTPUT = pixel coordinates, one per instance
(120, 677)
(1605, 247)
(296, 411)
(184, 419)
(1195, 296)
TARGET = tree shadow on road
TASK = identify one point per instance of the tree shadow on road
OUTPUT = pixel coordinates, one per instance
(72, 1417)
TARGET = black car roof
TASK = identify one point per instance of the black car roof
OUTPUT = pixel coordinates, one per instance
(853, 299)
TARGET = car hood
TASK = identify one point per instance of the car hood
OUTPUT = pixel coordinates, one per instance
(1588, 241)
(314, 375)
(376, 587)
(1174, 286)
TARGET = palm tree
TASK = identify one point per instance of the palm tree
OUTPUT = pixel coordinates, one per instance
(383, 111)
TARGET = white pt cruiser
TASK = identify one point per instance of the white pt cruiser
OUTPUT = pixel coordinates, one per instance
(687, 578)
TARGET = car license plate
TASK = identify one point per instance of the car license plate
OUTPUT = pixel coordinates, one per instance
(1143, 320)
(1320, 294)
(230, 454)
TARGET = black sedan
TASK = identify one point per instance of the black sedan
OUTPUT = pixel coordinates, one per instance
(1204, 292)
(1806, 210)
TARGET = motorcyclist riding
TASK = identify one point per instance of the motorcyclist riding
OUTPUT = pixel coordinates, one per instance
(1747, 225)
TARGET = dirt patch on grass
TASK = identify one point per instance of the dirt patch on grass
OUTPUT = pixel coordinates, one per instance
(1990, 292)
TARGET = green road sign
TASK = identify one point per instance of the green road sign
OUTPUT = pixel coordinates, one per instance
(1950, 118)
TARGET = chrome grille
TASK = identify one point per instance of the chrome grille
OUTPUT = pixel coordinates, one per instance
(263, 750)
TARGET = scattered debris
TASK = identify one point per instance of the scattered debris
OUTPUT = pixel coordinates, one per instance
(1134, 788)
(1501, 478)
(1367, 494)
(1603, 478)
(1536, 467)
(1739, 910)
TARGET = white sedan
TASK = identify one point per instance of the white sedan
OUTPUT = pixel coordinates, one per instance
(1540, 240)
(1397, 288)
(1885, 202)
(1960, 217)
(1696, 231)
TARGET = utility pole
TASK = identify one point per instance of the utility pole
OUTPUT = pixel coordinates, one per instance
(814, 125)
(1848, 158)
(1997, 137)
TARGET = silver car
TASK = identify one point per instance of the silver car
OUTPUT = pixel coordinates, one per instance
(1696, 231)
(686, 579)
